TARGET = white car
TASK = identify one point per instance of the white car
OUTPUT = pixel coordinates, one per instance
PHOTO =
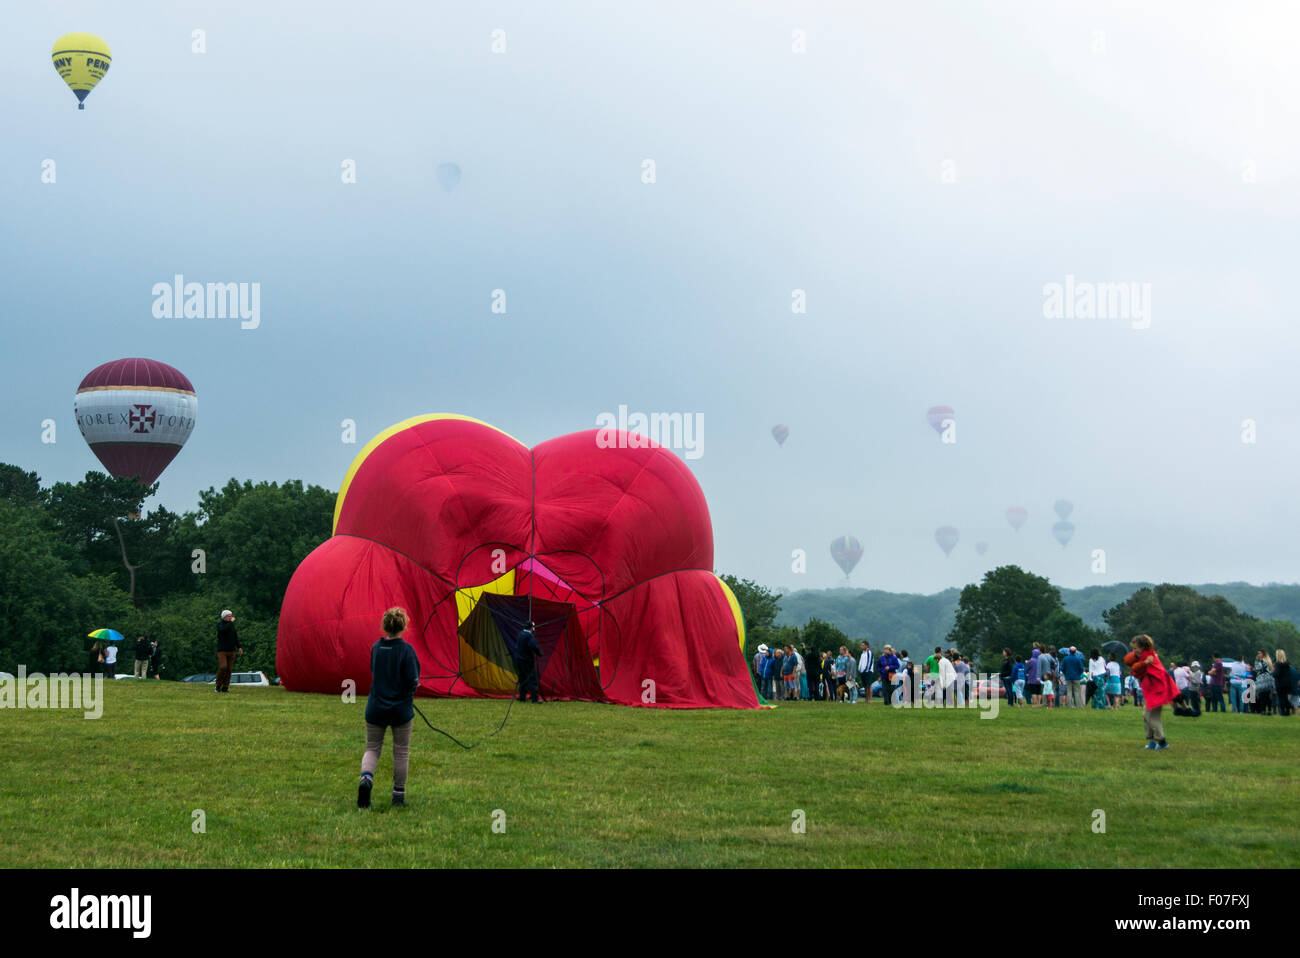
(249, 678)
(5, 675)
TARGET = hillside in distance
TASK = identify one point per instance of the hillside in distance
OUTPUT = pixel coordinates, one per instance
(908, 620)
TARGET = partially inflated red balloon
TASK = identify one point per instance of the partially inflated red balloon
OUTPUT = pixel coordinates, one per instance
(136, 414)
(602, 537)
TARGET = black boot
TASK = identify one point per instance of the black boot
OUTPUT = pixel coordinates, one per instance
(363, 792)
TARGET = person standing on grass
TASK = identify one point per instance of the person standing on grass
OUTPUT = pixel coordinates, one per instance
(228, 648)
(141, 669)
(866, 670)
(841, 668)
(1134, 687)
(1073, 671)
(1098, 677)
(1033, 679)
(526, 653)
(394, 677)
(1114, 688)
(1284, 678)
(96, 659)
(1158, 688)
(1047, 665)
(962, 668)
(930, 668)
(801, 671)
(110, 660)
(888, 667)
(1008, 666)
(828, 675)
(1264, 684)
(1195, 682)
(1215, 686)
(155, 659)
(789, 674)
(1018, 673)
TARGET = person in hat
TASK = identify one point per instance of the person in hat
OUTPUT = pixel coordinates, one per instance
(526, 652)
(758, 664)
(228, 648)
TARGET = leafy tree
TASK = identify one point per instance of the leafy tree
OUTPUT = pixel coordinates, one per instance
(255, 536)
(823, 637)
(1062, 629)
(759, 606)
(23, 488)
(45, 611)
(1006, 610)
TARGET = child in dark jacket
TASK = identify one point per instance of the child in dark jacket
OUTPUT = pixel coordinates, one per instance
(394, 677)
(1158, 688)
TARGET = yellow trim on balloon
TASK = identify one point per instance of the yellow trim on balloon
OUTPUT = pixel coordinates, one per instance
(467, 598)
(374, 444)
(735, 610)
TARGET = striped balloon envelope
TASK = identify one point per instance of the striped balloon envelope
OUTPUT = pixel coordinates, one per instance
(136, 414)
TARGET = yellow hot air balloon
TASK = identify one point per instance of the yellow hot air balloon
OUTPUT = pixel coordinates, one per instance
(82, 59)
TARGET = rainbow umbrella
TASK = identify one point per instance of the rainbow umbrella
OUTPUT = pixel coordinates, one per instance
(105, 635)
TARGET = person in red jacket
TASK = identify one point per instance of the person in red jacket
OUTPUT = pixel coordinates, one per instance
(1158, 688)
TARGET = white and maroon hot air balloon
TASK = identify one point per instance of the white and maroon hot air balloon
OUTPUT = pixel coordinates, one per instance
(135, 414)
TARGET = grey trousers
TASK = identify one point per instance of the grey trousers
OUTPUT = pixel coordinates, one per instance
(401, 751)
(1154, 726)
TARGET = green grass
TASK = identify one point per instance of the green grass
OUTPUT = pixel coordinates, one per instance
(588, 785)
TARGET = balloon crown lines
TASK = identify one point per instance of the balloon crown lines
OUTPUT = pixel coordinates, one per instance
(181, 300)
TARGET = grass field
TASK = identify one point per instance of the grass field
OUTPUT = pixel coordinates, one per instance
(275, 775)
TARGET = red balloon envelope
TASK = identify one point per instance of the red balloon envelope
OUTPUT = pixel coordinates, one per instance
(602, 537)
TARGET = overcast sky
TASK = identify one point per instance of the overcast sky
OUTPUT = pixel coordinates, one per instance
(922, 172)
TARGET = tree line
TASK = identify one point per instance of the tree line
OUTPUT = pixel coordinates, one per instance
(1012, 608)
(80, 556)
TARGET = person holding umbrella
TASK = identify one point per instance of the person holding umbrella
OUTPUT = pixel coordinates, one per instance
(105, 650)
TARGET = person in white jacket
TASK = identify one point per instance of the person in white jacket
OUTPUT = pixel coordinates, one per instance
(947, 679)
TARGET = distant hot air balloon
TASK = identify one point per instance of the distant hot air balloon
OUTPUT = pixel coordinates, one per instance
(981, 547)
(82, 59)
(1063, 531)
(947, 537)
(780, 434)
(1017, 515)
(1063, 508)
(135, 414)
(936, 415)
(847, 552)
(448, 176)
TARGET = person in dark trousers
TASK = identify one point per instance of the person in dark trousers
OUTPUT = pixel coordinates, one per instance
(526, 652)
(142, 650)
(1008, 663)
(155, 659)
(228, 648)
(394, 677)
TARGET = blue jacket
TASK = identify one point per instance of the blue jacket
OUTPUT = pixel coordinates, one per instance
(1073, 667)
(887, 663)
(769, 667)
